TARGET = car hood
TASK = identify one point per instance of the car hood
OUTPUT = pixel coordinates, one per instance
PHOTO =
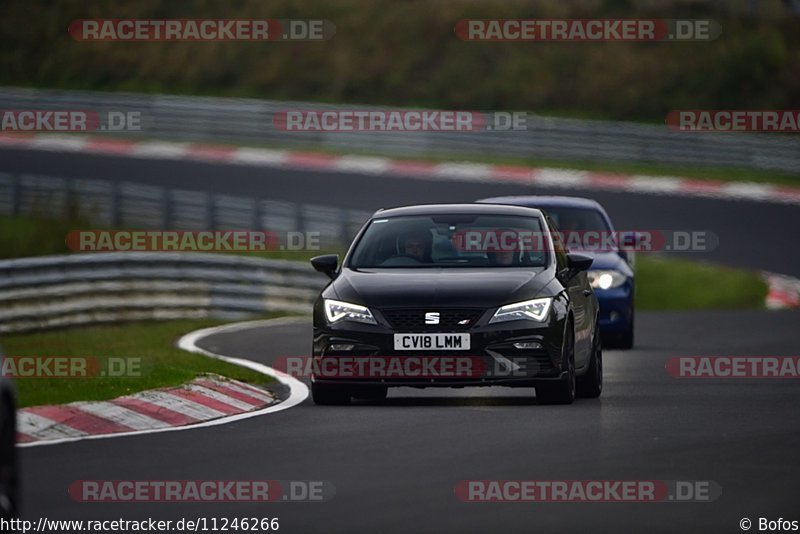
(474, 288)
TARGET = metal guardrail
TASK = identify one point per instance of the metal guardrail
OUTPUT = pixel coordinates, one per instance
(250, 121)
(53, 291)
(132, 205)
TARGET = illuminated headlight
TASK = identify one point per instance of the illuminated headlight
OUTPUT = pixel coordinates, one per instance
(535, 309)
(605, 279)
(336, 310)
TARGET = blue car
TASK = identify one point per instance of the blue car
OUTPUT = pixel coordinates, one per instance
(611, 274)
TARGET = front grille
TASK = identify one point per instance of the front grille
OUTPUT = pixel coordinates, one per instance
(450, 320)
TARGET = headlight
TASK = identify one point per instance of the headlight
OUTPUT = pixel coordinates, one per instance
(605, 279)
(535, 309)
(336, 310)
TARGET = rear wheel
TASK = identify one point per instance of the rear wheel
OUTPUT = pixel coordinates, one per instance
(590, 385)
(330, 394)
(562, 391)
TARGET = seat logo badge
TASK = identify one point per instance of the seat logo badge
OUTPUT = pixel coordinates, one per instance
(463, 322)
(432, 318)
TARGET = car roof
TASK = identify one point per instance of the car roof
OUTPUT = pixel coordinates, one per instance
(436, 209)
(545, 201)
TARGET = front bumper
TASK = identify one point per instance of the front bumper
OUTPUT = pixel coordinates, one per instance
(492, 358)
(616, 308)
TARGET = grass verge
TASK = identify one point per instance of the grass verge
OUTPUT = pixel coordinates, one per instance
(161, 365)
(677, 284)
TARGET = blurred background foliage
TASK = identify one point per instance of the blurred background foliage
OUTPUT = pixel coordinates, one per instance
(405, 53)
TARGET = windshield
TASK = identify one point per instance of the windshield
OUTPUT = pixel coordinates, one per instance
(452, 240)
(578, 220)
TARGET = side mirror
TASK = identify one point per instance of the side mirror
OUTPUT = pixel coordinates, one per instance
(326, 264)
(578, 262)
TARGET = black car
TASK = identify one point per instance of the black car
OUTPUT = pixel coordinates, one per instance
(430, 283)
(8, 457)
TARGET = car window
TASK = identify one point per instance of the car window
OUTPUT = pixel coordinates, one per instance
(578, 219)
(452, 240)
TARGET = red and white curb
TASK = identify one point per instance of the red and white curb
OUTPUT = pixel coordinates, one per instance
(784, 291)
(203, 402)
(379, 166)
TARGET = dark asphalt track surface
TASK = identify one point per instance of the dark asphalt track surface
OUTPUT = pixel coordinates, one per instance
(395, 465)
(751, 234)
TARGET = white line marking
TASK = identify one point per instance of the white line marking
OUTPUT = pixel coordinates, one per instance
(160, 149)
(473, 172)
(57, 143)
(298, 391)
(654, 184)
(561, 178)
(362, 164)
(259, 156)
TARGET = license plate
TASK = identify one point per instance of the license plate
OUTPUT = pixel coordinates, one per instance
(431, 342)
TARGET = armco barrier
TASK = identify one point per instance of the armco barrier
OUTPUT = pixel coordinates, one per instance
(51, 291)
(250, 121)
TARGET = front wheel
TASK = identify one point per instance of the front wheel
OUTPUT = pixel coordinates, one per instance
(590, 385)
(8, 466)
(562, 391)
(330, 394)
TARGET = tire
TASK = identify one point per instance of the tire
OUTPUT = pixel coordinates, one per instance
(590, 385)
(373, 393)
(563, 391)
(330, 394)
(9, 480)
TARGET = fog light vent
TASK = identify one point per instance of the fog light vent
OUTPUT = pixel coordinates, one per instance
(340, 347)
(527, 345)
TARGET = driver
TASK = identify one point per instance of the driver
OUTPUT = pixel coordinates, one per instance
(502, 257)
(417, 244)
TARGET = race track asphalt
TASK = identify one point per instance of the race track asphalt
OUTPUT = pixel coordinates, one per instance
(395, 464)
